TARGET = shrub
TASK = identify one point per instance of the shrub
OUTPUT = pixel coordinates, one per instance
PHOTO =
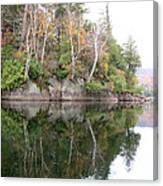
(136, 89)
(7, 52)
(65, 58)
(61, 73)
(119, 83)
(12, 74)
(35, 70)
(94, 87)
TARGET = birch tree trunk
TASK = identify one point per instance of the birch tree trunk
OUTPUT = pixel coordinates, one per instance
(72, 57)
(71, 42)
(44, 43)
(24, 26)
(46, 35)
(34, 30)
(26, 148)
(94, 143)
(78, 33)
(95, 58)
(28, 53)
(71, 144)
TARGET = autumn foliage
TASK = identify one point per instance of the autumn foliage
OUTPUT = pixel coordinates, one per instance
(58, 40)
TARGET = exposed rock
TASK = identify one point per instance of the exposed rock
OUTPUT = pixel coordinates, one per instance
(54, 88)
(45, 93)
(65, 111)
(29, 92)
(52, 81)
(32, 88)
(29, 109)
(70, 90)
(80, 81)
(67, 90)
(128, 97)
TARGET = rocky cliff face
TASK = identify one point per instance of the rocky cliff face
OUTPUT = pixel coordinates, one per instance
(66, 90)
(56, 90)
(30, 91)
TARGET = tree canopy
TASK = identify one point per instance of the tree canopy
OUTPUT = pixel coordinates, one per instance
(58, 40)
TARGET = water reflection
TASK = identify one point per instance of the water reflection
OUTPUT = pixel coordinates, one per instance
(67, 140)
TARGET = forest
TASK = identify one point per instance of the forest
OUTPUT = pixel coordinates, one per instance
(42, 41)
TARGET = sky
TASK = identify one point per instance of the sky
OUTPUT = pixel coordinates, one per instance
(133, 19)
(140, 163)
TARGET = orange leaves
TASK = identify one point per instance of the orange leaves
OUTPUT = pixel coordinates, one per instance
(70, 25)
(78, 66)
(82, 37)
(44, 22)
(7, 37)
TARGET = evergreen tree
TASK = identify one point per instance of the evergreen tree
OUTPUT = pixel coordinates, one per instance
(131, 55)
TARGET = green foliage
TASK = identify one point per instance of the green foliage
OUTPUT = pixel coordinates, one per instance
(7, 52)
(136, 89)
(13, 124)
(61, 73)
(117, 77)
(35, 70)
(112, 70)
(94, 87)
(47, 138)
(132, 84)
(64, 44)
(60, 10)
(131, 55)
(119, 83)
(116, 57)
(12, 74)
(139, 89)
(65, 58)
(65, 34)
(61, 126)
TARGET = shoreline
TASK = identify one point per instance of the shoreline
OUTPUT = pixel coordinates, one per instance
(68, 91)
(111, 99)
(44, 96)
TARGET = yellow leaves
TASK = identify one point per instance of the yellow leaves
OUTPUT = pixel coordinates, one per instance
(78, 68)
(51, 26)
(105, 67)
(120, 72)
(135, 80)
(111, 86)
(67, 67)
(19, 55)
(71, 26)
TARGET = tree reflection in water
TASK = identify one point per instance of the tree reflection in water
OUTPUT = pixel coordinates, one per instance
(67, 140)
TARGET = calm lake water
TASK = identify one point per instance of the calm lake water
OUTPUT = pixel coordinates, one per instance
(77, 140)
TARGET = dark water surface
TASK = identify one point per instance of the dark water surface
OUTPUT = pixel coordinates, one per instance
(77, 140)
